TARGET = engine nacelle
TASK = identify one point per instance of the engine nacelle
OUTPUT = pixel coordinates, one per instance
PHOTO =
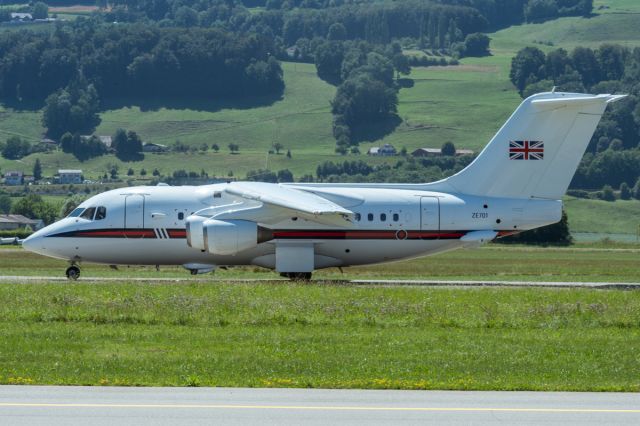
(195, 231)
(228, 237)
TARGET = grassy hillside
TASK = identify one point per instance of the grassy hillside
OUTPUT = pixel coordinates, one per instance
(621, 217)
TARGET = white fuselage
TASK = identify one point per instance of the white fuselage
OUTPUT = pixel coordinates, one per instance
(147, 226)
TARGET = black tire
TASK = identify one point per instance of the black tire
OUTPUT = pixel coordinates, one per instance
(73, 273)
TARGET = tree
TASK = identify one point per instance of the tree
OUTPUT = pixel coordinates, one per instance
(204, 147)
(16, 148)
(476, 44)
(34, 207)
(288, 153)
(636, 190)
(337, 31)
(558, 233)
(537, 10)
(277, 146)
(362, 99)
(156, 172)
(37, 170)
(234, 148)
(128, 145)
(143, 172)
(401, 64)
(215, 147)
(285, 176)
(448, 149)
(5, 203)
(625, 192)
(608, 194)
(72, 109)
(130, 172)
(526, 67)
(40, 10)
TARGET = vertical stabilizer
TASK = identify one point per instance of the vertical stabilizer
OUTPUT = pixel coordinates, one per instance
(537, 151)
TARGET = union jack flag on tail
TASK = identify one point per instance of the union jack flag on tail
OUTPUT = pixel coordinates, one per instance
(526, 150)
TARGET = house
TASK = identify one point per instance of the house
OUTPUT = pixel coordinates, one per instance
(11, 222)
(427, 152)
(21, 17)
(13, 178)
(386, 149)
(436, 152)
(69, 176)
(154, 147)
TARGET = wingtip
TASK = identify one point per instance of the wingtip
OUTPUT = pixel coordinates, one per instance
(615, 98)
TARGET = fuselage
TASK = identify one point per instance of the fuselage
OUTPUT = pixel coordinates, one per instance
(147, 226)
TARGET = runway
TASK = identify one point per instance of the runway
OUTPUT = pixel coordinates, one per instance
(51, 405)
(24, 279)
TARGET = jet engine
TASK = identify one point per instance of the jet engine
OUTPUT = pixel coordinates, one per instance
(225, 237)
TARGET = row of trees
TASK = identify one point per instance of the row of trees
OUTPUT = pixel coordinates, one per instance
(134, 60)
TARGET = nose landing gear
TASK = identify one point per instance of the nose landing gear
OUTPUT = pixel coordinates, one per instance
(73, 272)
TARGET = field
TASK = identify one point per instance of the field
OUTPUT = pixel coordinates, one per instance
(584, 262)
(330, 336)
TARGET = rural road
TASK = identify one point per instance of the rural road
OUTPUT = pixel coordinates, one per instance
(23, 279)
(53, 406)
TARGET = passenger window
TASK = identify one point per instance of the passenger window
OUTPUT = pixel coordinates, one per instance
(217, 195)
(77, 212)
(370, 217)
(101, 213)
(383, 217)
(180, 216)
(88, 213)
(358, 217)
(396, 217)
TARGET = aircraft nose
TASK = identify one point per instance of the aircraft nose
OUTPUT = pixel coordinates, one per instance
(33, 243)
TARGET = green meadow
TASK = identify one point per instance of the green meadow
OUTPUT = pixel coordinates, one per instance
(598, 262)
(318, 335)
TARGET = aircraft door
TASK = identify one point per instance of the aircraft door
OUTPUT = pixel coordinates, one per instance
(429, 213)
(134, 211)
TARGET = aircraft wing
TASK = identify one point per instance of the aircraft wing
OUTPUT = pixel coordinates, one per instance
(300, 203)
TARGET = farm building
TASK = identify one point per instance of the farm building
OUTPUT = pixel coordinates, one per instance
(11, 222)
(69, 176)
(13, 178)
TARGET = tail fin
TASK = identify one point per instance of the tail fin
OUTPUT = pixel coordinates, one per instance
(537, 151)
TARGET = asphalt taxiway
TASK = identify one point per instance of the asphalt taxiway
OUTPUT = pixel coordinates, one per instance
(69, 405)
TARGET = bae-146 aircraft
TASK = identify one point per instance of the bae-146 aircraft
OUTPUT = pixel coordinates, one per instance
(516, 183)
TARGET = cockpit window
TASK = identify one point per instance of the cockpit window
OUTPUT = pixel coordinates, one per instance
(101, 213)
(88, 213)
(77, 212)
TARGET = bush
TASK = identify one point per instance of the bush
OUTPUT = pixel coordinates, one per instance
(20, 233)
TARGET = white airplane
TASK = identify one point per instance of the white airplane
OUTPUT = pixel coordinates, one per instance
(516, 183)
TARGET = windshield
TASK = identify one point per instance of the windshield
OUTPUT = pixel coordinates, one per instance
(77, 212)
(88, 213)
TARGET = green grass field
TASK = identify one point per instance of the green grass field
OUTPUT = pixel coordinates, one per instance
(588, 262)
(330, 336)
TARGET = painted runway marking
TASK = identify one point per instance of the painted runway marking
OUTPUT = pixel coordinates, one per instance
(323, 408)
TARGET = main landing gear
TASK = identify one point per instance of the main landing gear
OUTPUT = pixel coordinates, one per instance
(297, 276)
(73, 272)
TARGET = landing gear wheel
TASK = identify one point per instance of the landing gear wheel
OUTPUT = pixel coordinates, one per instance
(73, 273)
(297, 276)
